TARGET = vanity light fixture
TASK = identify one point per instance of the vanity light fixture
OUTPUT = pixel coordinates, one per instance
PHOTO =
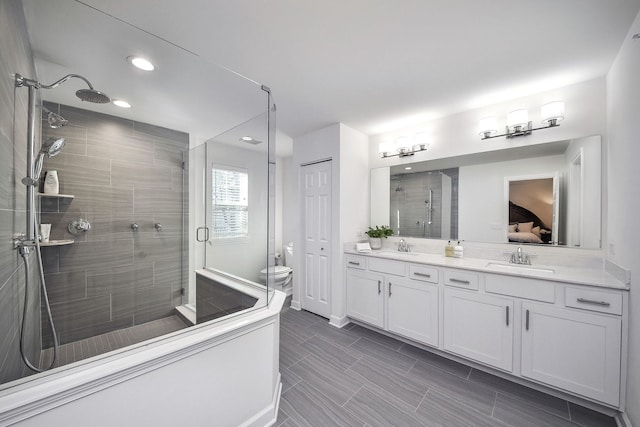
(403, 146)
(121, 103)
(141, 63)
(518, 123)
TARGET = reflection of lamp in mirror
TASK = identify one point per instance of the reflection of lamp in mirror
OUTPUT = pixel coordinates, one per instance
(518, 123)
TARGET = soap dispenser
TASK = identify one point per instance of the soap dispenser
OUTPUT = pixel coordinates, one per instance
(448, 250)
(458, 251)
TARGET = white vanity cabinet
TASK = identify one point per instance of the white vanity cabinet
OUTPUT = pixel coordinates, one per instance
(546, 330)
(412, 310)
(479, 327)
(365, 298)
(391, 301)
(575, 350)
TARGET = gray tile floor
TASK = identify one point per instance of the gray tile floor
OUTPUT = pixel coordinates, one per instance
(356, 377)
(99, 344)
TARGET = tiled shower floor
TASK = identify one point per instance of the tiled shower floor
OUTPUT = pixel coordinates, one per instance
(99, 344)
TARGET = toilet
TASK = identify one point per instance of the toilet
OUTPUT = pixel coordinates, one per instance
(282, 274)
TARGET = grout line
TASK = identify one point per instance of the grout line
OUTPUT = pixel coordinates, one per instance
(422, 400)
(495, 400)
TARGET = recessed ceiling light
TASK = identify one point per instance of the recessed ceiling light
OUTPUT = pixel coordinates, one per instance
(408, 168)
(141, 63)
(246, 138)
(121, 103)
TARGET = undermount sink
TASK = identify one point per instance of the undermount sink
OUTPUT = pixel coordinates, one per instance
(395, 253)
(520, 268)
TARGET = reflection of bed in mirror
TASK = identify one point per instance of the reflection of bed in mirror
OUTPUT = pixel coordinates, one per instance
(526, 227)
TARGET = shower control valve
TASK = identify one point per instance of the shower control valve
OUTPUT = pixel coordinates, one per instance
(79, 225)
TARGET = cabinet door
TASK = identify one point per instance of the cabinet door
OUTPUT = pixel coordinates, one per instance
(413, 310)
(479, 327)
(365, 297)
(573, 350)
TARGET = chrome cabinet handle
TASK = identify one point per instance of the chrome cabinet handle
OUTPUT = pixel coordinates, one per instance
(507, 315)
(354, 263)
(379, 288)
(594, 302)
(464, 282)
(421, 274)
(389, 288)
(527, 320)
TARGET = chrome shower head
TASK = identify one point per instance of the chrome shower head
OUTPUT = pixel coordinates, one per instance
(92, 95)
(56, 120)
(51, 148)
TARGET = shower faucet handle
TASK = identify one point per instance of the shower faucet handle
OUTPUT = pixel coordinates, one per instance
(78, 225)
(135, 226)
(157, 226)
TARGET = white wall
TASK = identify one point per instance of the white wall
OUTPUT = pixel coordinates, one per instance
(623, 111)
(481, 198)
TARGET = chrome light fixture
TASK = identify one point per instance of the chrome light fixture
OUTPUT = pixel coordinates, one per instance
(518, 123)
(403, 146)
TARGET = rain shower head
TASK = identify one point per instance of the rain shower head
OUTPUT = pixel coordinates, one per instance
(50, 148)
(92, 95)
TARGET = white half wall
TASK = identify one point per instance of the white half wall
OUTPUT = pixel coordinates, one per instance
(224, 374)
(623, 111)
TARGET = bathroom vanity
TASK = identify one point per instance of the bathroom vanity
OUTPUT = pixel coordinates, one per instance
(564, 328)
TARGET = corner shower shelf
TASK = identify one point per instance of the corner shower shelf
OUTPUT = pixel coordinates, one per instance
(57, 242)
(59, 196)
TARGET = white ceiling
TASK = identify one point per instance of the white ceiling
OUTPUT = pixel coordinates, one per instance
(374, 65)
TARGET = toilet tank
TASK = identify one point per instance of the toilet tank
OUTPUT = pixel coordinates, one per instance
(288, 254)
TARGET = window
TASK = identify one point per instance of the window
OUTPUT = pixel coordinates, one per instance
(230, 203)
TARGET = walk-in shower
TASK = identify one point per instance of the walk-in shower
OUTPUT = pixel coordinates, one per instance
(30, 239)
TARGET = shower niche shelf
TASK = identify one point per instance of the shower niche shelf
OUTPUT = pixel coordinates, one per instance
(58, 196)
(57, 242)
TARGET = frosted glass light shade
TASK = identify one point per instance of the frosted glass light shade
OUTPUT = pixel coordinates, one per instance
(488, 126)
(403, 144)
(553, 111)
(518, 118)
(386, 148)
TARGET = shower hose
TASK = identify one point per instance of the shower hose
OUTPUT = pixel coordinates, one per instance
(24, 251)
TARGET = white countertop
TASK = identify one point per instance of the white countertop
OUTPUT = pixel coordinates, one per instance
(582, 276)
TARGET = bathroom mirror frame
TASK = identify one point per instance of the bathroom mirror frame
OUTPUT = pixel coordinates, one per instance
(580, 201)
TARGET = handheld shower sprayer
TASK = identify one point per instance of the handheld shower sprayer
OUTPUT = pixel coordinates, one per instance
(24, 242)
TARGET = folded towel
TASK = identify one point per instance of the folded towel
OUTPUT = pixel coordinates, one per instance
(363, 247)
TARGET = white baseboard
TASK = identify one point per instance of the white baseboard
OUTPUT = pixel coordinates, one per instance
(296, 305)
(622, 420)
(339, 322)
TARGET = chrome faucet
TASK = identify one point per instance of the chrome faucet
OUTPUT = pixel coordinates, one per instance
(519, 257)
(403, 246)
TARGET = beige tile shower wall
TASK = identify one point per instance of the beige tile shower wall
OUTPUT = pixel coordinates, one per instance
(15, 57)
(121, 172)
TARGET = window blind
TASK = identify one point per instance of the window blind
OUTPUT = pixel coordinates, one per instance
(230, 203)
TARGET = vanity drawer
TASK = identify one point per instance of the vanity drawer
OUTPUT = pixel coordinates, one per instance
(356, 261)
(423, 273)
(521, 287)
(594, 300)
(461, 279)
(396, 268)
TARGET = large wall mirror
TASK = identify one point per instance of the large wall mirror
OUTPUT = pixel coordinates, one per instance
(545, 194)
